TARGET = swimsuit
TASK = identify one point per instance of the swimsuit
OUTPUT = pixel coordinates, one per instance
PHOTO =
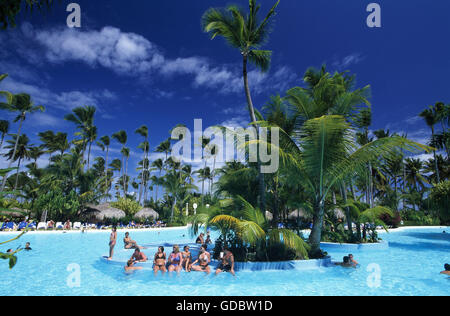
(160, 258)
(176, 259)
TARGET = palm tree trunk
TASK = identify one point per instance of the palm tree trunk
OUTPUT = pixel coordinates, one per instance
(435, 160)
(142, 175)
(89, 154)
(17, 174)
(316, 232)
(14, 153)
(1, 142)
(347, 210)
(262, 198)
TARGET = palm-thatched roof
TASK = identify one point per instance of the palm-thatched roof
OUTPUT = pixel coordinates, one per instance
(147, 213)
(104, 211)
(299, 213)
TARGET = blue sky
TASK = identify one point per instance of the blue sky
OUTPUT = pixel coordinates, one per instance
(148, 62)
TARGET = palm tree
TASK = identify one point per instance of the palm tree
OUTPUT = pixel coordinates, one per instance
(36, 153)
(4, 129)
(164, 147)
(22, 104)
(158, 164)
(431, 118)
(104, 144)
(126, 153)
(174, 186)
(91, 136)
(122, 138)
(143, 131)
(19, 149)
(243, 32)
(83, 118)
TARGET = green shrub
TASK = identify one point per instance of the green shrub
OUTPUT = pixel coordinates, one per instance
(59, 206)
(130, 207)
(440, 196)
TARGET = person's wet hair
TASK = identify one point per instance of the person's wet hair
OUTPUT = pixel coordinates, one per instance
(185, 247)
(204, 247)
(346, 259)
(127, 233)
(447, 267)
(129, 263)
(161, 247)
(137, 249)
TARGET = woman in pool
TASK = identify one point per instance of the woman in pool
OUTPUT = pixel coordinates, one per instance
(204, 258)
(112, 242)
(159, 262)
(227, 262)
(187, 259)
(200, 239)
(175, 259)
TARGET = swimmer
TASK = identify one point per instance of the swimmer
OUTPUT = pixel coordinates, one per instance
(446, 269)
(200, 239)
(353, 261)
(27, 246)
(129, 243)
(346, 263)
(130, 266)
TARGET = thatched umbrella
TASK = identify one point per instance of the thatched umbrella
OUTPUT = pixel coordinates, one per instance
(104, 211)
(147, 213)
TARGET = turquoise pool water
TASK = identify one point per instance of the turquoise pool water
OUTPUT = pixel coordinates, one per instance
(410, 266)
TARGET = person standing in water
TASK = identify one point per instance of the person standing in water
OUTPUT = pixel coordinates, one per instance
(112, 242)
(447, 269)
(227, 262)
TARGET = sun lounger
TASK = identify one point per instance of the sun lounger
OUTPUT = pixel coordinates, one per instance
(42, 225)
(77, 225)
(59, 225)
(8, 226)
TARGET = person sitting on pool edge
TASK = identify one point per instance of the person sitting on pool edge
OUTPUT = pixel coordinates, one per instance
(159, 262)
(447, 269)
(187, 259)
(175, 259)
(204, 258)
(227, 262)
(138, 256)
(130, 266)
(129, 243)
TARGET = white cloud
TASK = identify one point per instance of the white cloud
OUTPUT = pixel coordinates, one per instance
(133, 55)
(347, 61)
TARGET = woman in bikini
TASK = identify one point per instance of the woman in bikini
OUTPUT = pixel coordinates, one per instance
(187, 259)
(175, 259)
(204, 258)
(159, 263)
(112, 242)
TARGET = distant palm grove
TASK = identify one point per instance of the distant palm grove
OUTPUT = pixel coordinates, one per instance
(336, 176)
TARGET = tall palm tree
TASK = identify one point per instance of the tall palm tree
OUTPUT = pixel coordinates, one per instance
(36, 153)
(243, 32)
(126, 153)
(19, 149)
(23, 105)
(104, 144)
(91, 136)
(122, 137)
(431, 118)
(143, 131)
(4, 129)
(158, 164)
(83, 118)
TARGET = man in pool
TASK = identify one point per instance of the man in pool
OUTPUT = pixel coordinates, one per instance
(112, 242)
(200, 239)
(447, 269)
(227, 262)
(130, 266)
(138, 256)
(346, 263)
(27, 246)
(204, 258)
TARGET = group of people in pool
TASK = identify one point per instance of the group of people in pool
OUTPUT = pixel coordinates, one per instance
(182, 260)
(348, 262)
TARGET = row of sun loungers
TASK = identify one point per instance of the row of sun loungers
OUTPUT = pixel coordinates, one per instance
(11, 226)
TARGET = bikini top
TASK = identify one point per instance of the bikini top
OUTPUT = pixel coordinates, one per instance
(158, 257)
(175, 257)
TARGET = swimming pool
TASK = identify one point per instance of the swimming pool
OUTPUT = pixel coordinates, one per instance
(410, 266)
